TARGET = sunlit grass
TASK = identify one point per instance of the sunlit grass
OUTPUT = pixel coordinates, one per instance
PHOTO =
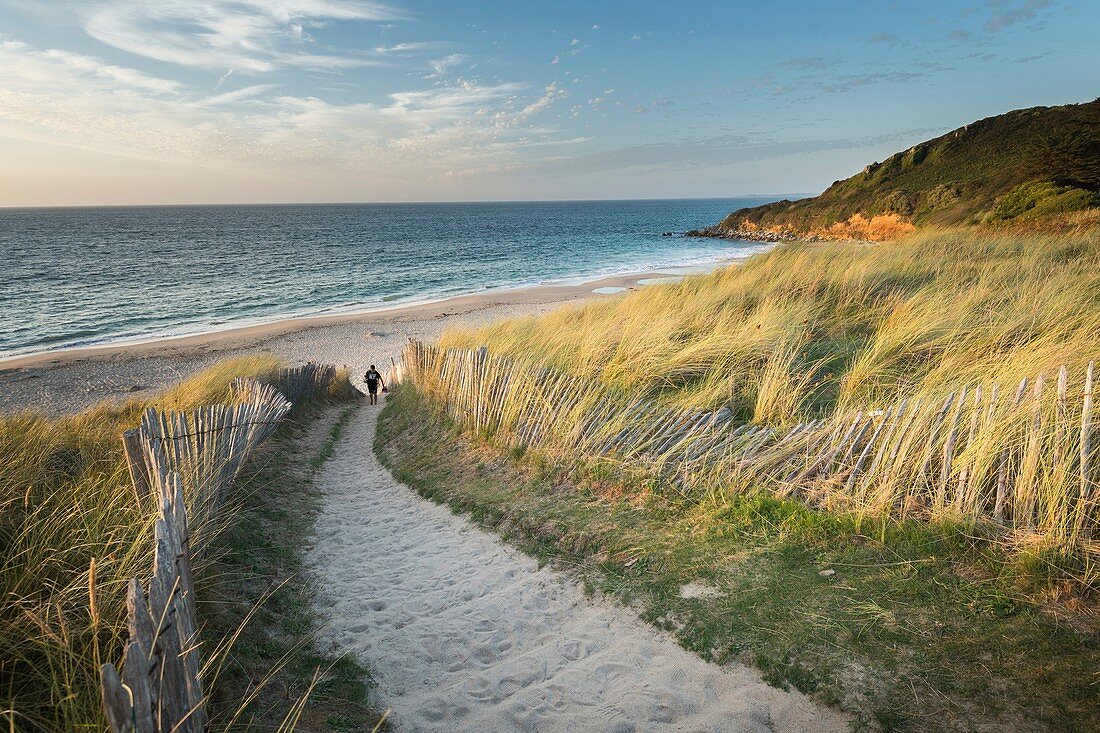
(865, 323)
(890, 342)
(71, 536)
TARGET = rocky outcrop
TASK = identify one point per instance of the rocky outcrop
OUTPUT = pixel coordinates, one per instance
(752, 235)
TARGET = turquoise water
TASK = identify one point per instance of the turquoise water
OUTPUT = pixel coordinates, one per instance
(80, 276)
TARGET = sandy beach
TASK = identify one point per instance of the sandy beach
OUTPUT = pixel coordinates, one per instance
(64, 381)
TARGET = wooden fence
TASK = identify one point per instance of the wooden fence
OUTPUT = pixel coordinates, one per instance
(1023, 457)
(308, 381)
(185, 462)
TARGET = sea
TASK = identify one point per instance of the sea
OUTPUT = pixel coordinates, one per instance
(74, 277)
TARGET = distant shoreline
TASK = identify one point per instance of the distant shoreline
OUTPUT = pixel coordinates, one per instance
(258, 204)
(569, 289)
(65, 381)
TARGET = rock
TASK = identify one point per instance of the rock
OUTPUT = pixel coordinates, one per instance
(827, 572)
(135, 388)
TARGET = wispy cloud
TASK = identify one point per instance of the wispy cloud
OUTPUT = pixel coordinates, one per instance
(552, 92)
(848, 82)
(811, 63)
(237, 95)
(883, 38)
(80, 102)
(441, 67)
(48, 64)
(1008, 14)
(246, 35)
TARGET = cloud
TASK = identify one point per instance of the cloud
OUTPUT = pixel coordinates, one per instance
(237, 95)
(64, 99)
(50, 63)
(440, 67)
(250, 36)
(1012, 14)
(815, 63)
(550, 94)
(848, 82)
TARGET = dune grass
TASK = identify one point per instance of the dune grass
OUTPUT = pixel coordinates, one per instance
(809, 329)
(71, 536)
(832, 331)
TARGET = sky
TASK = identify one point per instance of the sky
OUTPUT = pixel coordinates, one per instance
(238, 101)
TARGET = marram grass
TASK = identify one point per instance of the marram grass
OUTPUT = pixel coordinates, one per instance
(869, 379)
(71, 536)
(808, 329)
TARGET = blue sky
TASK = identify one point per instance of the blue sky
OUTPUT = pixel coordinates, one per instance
(151, 101)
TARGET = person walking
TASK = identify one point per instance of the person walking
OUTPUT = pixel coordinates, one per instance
(373, 379)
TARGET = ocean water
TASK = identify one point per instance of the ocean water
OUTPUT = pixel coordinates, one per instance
(80, 276)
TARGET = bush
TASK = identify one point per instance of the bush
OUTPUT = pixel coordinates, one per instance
(1037, 199)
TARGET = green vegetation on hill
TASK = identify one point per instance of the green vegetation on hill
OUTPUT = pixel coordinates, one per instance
(1021, 166)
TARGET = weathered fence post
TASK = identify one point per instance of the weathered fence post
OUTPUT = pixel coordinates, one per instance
(1086, 449)
(160, 690)
(135, 461)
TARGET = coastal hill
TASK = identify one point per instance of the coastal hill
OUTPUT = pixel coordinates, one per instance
(1025, 166)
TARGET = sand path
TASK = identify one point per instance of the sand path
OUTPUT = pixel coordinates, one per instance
(467, 634)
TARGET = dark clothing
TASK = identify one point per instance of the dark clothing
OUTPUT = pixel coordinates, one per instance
(372, 377)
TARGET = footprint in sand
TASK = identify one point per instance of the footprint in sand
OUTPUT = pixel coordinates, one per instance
(464, 633)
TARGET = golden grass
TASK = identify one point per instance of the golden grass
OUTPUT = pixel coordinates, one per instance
(71, 536)
(879, 228)
(842, 332)
(849, 325)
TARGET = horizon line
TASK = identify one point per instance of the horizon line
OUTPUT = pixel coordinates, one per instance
(14, 207)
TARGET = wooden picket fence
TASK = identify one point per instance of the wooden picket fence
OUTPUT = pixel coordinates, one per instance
(185, 462)
(1024, 458)
(308, 381)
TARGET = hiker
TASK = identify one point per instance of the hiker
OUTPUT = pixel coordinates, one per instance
(373, 378)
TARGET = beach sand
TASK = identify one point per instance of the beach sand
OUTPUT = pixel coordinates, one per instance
(66, 381)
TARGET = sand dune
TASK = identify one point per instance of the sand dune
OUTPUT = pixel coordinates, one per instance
(467, 634)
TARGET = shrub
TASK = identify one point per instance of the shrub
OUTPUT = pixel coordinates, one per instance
(1037, 199)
